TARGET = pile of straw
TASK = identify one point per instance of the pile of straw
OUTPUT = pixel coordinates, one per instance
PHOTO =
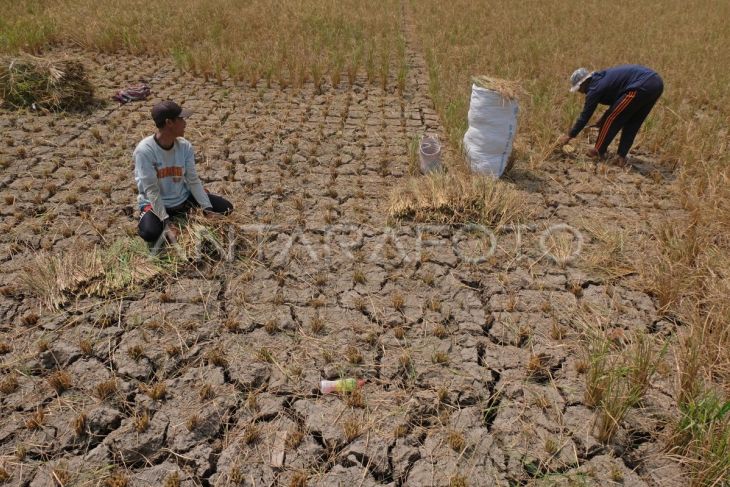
(508, 89)
(44, 84)
(455, 198)
(120, 269)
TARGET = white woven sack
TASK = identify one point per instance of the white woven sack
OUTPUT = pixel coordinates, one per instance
(492, 127)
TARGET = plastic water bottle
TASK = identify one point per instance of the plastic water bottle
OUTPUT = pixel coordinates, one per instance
(340, 385)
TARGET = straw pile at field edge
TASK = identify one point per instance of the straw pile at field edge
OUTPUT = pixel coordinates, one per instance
(44, 84)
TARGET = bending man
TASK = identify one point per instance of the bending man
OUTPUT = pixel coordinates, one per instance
(630, 91)
(164, 169)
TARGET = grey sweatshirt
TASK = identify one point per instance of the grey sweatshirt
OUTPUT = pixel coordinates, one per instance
(167, 178)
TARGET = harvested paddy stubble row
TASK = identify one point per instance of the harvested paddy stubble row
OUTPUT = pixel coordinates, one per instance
(289, 42)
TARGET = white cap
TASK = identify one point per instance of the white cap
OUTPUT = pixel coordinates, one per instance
(578, 78)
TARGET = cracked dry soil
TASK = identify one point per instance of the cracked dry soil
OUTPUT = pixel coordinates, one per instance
(211, 378)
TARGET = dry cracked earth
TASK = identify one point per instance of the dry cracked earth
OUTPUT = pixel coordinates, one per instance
(210, 376)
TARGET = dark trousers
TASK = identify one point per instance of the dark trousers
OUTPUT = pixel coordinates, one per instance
(628, 114)
(150, 226)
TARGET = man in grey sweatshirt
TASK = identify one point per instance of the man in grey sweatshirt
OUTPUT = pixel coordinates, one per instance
(164, 169)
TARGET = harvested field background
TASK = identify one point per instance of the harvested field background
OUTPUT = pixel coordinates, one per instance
(588, 347)
(287, 42)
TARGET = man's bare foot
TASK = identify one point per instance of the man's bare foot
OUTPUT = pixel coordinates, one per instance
(621, 161)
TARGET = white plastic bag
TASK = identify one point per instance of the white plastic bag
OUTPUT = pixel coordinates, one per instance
(492, 127)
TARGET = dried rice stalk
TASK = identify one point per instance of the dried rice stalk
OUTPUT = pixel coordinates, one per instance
(506, 88)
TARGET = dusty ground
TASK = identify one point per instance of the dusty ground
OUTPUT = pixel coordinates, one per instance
(448, 347)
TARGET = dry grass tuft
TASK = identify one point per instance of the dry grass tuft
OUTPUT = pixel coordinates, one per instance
(551, 446)
(251, 434)
(217, 358)
(9, 384)
(456, 441)
(35, 420)
(617, 377)
(353, 355)
(60, 381)
(116, 479)
(442, 394)
(79, 424)
(440, 331)
(400, 431)
(173, 350)
(173, 480)
(458, 480)
(398, 302)
(135, 352)
(299, 479)
(156, 392)
(358, 276)
(43, 345)
(61, 474)
(264, 355)
(457, 198)
(405, 360)
(30, 319)
(611, 257)
(86, 347)
(141, 422)
(106, 389)
(206, 392)
(352, 428)
(192, 422)
(441, 358)
(294, 439)
(271, 327)
(538, 367)
(355, 399)
(317, 324)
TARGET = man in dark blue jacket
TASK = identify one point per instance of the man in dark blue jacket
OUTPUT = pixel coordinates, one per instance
(630, 91)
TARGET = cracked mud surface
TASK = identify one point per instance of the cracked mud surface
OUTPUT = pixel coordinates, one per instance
(221, 364)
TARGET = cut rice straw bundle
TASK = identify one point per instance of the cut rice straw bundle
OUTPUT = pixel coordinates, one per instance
(508, 89)
(56, 279)
(46, 84)
(457, 198)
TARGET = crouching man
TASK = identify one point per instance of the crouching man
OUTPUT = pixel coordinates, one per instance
(630, 91)
(164, 169)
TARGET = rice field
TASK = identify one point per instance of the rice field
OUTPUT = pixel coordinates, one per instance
(284, 42)
(345, 75)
